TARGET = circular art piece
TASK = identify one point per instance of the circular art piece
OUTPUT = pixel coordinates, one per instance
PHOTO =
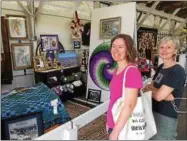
(102, 66)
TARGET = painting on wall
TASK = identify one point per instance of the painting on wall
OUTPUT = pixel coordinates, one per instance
(147, 39)
(110, 27)
(49, 42)
(17, 27)
(102, 66)
(22, 56)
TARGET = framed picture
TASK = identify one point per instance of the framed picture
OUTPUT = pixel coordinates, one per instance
(24, 127)
(39, 63)
(94, 95)
(110, 27)
(22, 56)
(77, 44)
(147, 39)
(49, 42)
(17, 26)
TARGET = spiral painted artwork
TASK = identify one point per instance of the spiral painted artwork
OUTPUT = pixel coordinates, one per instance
(101, 66)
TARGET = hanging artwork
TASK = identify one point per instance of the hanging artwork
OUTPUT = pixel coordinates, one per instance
(76, 28)
(110, 27)
(17, 27)
(49, 42)
(102, 66)
(22, 56)
(86, 34)
(147, 39)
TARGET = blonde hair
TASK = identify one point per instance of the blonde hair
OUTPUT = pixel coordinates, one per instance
(174, 40)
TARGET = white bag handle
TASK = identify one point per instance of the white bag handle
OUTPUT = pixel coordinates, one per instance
(175, 107)
(124, 78)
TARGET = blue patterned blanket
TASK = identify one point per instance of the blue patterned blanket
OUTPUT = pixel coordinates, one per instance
(36, 98)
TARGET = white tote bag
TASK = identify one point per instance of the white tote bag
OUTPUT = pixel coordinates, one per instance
(141, 124)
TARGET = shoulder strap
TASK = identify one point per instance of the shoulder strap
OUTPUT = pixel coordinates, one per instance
(124, 79)
(157, 71)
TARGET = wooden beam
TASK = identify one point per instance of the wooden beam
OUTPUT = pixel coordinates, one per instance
(38, 9)
(148, 13)
(24, 8)
(139, 16)
(177, 28)
(96, 4)
(160, 13)
(169, 19)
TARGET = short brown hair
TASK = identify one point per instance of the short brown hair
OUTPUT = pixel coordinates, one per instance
(131, 51)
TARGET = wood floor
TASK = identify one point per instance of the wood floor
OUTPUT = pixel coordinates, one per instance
(182, 126)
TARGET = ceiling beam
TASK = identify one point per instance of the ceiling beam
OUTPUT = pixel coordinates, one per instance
(160, 13)
(148, 13)
(157, 21)
(180, 26)
(38, 9)
(169, 19)
(24, 8)
(139, 16)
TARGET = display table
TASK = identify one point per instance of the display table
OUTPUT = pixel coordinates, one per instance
(46, 77)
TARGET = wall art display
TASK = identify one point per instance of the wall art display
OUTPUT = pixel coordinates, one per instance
(22, 56)
(49, 42)
(77, 44)
(68, 59)
(24, 127)
(94, 95)
(39, 63)
(147, 39)
(86, 34)
(110, 27)
(17, 27)
(76, 27)
(102, 66)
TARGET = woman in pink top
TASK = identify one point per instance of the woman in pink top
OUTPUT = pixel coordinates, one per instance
(124, 53)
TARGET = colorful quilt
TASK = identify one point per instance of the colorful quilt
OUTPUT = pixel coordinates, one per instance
(33, 99)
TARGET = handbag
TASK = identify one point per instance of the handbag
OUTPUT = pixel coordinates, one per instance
(141, 124)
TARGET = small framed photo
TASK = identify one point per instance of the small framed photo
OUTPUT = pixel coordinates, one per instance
(22, 56)
(49, 42)
(94, 95)
(77, 44)
(39, 63)
(110, 27)
(24, 127)
(17, 26)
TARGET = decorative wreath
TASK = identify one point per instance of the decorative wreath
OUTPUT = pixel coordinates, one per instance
(76, 26)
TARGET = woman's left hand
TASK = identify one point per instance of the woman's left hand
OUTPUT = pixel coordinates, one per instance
(113, 136)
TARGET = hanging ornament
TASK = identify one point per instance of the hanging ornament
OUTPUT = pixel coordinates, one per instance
(76, 27)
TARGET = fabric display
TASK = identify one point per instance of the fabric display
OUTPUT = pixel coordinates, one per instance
(147, 39)
(70, 90)
(36, 98)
